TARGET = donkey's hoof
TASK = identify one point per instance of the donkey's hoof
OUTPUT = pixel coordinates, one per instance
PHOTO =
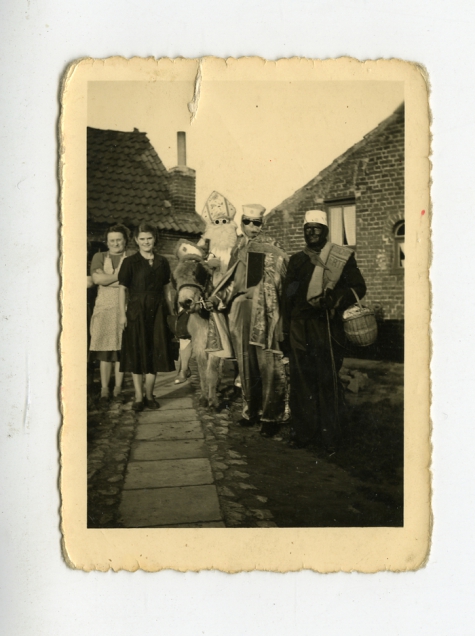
(203, 401)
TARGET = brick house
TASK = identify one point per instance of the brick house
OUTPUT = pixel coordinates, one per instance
(363, 193)
(128, 183)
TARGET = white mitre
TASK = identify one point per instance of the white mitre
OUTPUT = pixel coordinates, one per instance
(217, 207)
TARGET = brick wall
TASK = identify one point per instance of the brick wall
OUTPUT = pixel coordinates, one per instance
(372, 173)
(182, 186)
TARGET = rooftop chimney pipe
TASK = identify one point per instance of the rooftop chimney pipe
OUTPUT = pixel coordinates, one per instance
(181, 143)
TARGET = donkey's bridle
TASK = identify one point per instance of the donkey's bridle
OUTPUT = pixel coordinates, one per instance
(200, 287)
(196, 285)
(198, 302)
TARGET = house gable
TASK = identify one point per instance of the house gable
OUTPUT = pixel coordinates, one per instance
(370, 174)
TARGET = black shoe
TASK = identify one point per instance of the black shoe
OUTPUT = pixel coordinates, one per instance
(137, 406)
(151, 404)
(103, 401)
(247, 423)
(269, 429)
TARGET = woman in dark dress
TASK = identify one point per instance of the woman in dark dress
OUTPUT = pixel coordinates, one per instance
(147, 341)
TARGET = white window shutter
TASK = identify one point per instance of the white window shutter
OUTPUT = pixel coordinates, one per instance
(336, 225)
(349, 219)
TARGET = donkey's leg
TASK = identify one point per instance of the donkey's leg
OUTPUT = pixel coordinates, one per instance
(198, 329)
(212, 377)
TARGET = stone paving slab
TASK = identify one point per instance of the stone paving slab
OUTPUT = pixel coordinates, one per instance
(168, 415)
(172, 390)
(179, 449)
(167, 473)
(175, 403)
(170, 431)
(167, 506)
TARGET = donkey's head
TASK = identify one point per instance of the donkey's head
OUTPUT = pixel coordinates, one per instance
(192, 276)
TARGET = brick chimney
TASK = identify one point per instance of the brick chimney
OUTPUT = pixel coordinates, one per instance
(182, 180)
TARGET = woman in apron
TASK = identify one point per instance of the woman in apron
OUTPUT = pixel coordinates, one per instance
(106, 332)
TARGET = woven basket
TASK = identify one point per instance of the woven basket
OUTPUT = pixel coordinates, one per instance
(361, 328)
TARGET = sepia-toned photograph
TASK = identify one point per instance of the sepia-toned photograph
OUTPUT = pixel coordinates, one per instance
(243, 341)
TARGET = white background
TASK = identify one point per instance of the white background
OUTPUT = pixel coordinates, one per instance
(39, 594)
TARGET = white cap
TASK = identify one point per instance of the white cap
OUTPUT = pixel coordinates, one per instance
(316, 216)
(253, 210)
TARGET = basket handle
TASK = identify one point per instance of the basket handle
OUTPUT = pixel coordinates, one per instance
(357, 298)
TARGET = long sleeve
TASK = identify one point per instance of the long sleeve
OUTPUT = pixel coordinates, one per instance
(289, 290)
(351, 278)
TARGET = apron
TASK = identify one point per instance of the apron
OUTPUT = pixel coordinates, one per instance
(106, 334)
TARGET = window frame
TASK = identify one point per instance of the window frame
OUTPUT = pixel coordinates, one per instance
(397, 240)
(341, 203)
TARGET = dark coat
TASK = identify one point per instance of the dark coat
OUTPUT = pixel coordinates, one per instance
(299, 273)
(314, 339)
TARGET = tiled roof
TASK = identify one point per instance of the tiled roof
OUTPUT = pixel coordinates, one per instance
(127, 183)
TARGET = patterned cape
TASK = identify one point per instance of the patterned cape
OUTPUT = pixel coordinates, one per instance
(266, 322)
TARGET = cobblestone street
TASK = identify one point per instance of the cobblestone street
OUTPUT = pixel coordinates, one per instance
(183, 466)
(166, 467)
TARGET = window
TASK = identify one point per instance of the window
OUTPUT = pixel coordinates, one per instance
(399, 234)
(342, 223)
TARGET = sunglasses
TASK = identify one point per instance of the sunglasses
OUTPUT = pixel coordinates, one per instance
(255, 222)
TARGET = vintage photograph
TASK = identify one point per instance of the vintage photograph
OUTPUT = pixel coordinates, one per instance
(246, 268)
(245, 308)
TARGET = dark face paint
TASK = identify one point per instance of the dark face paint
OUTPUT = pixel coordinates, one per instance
(315, 235)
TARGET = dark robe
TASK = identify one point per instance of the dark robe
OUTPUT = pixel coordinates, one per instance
(315, 357)
(147, 340)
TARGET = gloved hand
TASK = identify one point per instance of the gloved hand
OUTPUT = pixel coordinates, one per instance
(329, 299)
(323, 302)
(211, 303)
(213, 263)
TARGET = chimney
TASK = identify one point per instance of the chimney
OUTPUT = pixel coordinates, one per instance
(182, 180)
(181, 144)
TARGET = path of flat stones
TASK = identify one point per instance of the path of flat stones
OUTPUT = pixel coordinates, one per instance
(169, 481)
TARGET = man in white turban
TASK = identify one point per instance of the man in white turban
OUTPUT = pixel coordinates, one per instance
(317, 289)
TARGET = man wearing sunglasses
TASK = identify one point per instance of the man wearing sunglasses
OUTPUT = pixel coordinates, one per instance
(250, 295)
(317, 289)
